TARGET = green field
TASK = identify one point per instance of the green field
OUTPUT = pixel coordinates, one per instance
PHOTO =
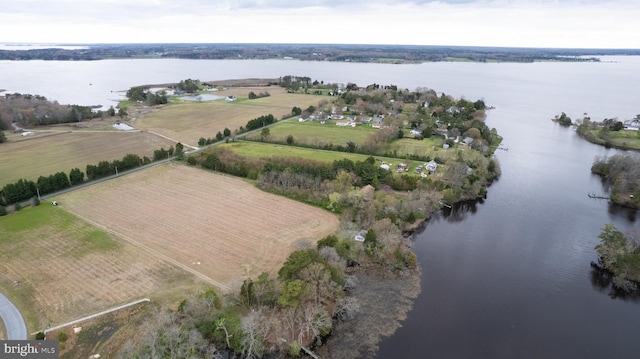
(412, 147)
(315, 134)
(625, 139)
(269, 150)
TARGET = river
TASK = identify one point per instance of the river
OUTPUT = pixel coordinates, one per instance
(505, 278)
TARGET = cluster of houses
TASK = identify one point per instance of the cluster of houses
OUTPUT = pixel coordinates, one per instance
(422, 170)
(345, 121)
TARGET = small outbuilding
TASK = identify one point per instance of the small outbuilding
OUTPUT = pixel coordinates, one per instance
(55, 203)
(360, 236)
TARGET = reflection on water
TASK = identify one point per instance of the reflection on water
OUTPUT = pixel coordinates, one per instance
(620, 211)
(602, 280)
(460, 211)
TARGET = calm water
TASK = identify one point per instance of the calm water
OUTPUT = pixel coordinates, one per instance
(506, 278)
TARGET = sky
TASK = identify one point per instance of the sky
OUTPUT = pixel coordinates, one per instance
(506, 23)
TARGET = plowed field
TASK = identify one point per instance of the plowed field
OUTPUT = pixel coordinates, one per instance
(57, 268)
(217, 227)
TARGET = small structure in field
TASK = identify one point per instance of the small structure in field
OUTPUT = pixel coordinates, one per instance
(359, 237)
(55, 203)
(431, 166)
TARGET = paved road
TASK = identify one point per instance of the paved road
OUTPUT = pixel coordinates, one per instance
(13, 322)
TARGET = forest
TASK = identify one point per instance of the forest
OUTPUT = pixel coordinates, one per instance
(34, 110)
(314, 52)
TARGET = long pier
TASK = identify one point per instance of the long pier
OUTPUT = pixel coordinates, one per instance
(595, 196)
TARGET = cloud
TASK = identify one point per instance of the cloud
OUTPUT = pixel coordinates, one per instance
(524, 23)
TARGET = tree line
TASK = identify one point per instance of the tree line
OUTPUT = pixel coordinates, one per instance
(36, 110)
(24, 190)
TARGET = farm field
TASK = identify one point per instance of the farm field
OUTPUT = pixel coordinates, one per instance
(45, 155)
(188, 122)
(218, 227)
(56, 268)
(315, 134)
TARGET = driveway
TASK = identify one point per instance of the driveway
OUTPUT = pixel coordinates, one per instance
(13, 322)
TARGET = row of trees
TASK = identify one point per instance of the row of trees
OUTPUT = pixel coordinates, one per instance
(23, 190)
(252, 95)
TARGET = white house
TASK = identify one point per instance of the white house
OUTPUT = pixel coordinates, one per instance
(431, 166)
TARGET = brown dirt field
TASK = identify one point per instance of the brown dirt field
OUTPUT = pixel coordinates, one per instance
(63, 269)
(45, 155)
(216, 226)
(188, 122)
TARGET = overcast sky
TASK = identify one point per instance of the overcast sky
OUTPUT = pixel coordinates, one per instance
(519, 23)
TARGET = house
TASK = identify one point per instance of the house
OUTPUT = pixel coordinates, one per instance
(454, 110)
(342, 123)
(467, 140)
(415, 132)
(385, 167)
(431, 166)
(377, 122)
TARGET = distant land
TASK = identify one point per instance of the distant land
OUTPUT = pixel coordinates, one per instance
(308, 52)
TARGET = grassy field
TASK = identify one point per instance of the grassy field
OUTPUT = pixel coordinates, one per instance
(409, 146)
(625, 139)
(269, 150)
(56, 268)
(45, 155)
(218, 227)
(188, 122)
(315, 134)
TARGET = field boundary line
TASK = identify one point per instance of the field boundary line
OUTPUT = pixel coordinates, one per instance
(154, 252)
(97, 314)
(170, 139)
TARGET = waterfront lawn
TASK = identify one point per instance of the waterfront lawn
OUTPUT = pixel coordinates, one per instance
(624, 139)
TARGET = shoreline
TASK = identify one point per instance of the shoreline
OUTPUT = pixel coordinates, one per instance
(385, 301)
